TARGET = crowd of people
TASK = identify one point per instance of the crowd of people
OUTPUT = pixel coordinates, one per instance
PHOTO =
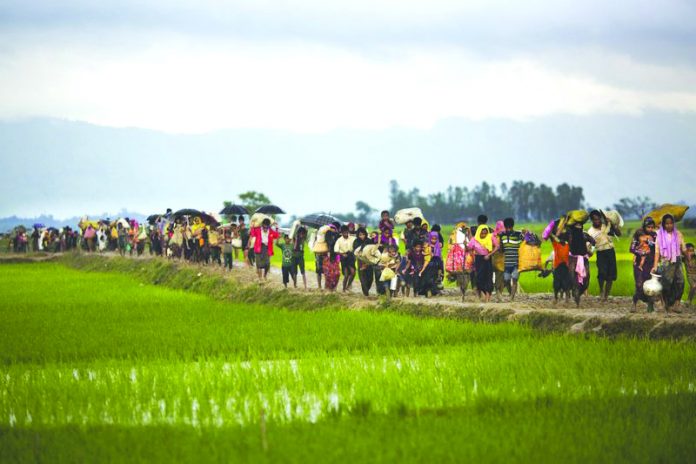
(486, 259)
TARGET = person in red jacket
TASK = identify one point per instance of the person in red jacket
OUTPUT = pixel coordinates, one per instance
(264, 237)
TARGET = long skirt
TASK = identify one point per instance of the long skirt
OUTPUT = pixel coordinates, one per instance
(672, 282)
(579, 286)
(332, 271)
(640, 276)
(484, 274)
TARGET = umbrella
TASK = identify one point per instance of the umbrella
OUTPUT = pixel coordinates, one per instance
(38, 225)
(186, 212)
(270, 209)
(234, 209)
(153, 218)
(208, 219)
(318, 219)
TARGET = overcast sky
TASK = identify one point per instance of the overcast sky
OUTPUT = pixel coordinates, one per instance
(417, 90)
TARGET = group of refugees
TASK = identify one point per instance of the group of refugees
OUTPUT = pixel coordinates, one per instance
(487, 259)
(659, 248)
(187, 238)
(660, 255)
(40, 239)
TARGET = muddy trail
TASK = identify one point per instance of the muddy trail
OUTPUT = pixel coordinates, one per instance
(611, 318)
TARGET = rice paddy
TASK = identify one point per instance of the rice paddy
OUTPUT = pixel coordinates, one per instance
(99, 366)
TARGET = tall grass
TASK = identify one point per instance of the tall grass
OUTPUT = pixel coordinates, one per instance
(99, 366)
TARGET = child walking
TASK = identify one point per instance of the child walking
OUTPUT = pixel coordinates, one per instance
(287, 266)
(227, 250)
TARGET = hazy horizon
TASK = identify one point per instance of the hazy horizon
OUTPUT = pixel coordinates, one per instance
(148, 105)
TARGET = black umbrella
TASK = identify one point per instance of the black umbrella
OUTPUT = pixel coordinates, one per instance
(153, 218)
(234, 209)
(270, 209)
(318, 219)
(208, 219)
(186, 212)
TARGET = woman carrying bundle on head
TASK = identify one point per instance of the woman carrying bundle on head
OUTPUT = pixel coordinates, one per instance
(263, 238)
(606, 255)
(669, 249)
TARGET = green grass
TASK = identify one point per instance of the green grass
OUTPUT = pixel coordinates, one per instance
(529, 281)
(99, 367)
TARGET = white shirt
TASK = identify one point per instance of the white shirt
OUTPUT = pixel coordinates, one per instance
(344, 245)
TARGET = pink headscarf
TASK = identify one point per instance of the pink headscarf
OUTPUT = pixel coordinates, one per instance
(499, 228)
(670, 244)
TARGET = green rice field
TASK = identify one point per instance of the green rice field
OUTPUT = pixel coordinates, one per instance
(97, 366)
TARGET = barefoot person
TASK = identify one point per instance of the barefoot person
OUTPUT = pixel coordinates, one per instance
(669, 248)
(483, 247)
(298, 250)
(332, 262)
(579, 260)
(287, 268)
(263, 238)
(606, 255)
(510, 241)
(643, 250)
(344, 248)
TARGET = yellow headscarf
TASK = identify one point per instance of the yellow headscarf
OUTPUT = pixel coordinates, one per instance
(487, 242)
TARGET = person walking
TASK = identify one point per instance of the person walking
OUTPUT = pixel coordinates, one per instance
(263, 238)
(606, 254)
(643, 251)
(344, 248)
(669, 248)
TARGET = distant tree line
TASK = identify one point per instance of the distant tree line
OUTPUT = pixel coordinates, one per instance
(525, 201)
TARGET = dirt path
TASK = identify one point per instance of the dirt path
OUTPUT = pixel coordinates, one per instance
(591, 314)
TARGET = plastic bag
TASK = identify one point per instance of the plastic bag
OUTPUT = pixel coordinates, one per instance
(387, 274)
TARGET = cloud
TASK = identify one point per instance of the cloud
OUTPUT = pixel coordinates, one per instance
(312, 66)
(661, 30)
(180, 85)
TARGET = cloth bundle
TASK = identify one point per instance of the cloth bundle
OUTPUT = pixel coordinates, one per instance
(530, 254)
(407, 214)
(678, 211)
(369, 254)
